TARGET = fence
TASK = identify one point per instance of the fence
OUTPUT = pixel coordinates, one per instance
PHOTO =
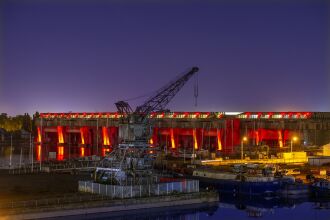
(115, 191)
(72, 166)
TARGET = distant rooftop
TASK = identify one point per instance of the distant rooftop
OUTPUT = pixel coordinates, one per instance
(193, 115)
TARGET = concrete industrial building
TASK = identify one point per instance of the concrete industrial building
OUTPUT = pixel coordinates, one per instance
(73, 135)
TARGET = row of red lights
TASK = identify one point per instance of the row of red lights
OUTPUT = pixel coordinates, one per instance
(282, 114)
(117, 115)
(76, 115)
(173, 115)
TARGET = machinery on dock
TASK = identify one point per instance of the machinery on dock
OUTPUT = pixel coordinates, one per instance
(130, 162)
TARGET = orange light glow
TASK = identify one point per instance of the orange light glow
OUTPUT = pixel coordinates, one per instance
(82, 136)
(38, 152)
(280, 140)
(104, 151)
(60, 134)
(106, 141)
(39, 135)
(219, 139)
(172, 139)
(195, 139)
(257, 138)
(151, 141)
(82, 151)
(60, 153)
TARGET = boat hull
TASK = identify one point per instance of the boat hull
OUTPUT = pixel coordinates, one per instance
(242, 187)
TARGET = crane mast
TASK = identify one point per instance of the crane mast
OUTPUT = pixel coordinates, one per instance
(130, 160)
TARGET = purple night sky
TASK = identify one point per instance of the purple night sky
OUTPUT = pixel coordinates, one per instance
(60, 56)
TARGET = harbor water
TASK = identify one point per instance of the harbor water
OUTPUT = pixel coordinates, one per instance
(232, 207)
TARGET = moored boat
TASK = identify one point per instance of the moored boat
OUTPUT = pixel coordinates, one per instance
(240, 183)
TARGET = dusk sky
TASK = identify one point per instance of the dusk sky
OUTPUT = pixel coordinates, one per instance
(82, 56)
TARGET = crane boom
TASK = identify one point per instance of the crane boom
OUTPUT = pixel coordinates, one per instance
(135, 128)
(123, 107)
(164, 95)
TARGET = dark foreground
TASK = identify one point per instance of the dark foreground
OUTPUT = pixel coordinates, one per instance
(91, 209)
(25, 187)
(54, 189)
(31, 196)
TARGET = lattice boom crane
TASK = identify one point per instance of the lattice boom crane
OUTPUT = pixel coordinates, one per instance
(135, 128)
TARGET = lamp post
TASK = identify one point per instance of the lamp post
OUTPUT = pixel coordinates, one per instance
(11, 150)
(294, 139)
(31, 148)
(242, 143)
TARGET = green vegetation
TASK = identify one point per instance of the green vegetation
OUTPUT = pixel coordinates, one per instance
(19, 122)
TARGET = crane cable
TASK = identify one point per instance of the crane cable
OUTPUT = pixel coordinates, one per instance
(150, 93)
(196, 89)
(139, 97)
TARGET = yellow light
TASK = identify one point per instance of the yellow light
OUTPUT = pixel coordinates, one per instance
(38, 152)
(172, 138)
(244, 138)
(280, 140)
(294, 138)
(82, 136)
(60, 134)
(219, 139)
(195, 139)
(39, 135)
(106, 140)
(60, 153)
(82, 151)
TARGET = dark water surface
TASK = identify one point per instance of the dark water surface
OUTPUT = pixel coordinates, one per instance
(229, 207)
(270, 208)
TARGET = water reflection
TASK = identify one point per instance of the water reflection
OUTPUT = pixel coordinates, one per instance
(286, 207)
(191, 212)
(255, 206)
(233, 207)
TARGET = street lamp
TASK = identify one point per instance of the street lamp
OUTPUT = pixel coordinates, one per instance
(11, 149)
(294, 139)
(244, 139)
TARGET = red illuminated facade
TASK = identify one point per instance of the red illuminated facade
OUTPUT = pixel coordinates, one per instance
(77, 135)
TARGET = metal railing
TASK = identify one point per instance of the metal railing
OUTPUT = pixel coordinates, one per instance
(131, 191)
